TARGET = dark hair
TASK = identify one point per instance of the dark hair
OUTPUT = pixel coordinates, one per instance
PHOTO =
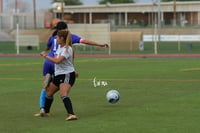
(60, 26)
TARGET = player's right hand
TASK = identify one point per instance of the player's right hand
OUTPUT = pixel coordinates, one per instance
(43, 54)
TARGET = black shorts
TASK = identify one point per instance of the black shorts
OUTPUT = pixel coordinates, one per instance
(64, 78)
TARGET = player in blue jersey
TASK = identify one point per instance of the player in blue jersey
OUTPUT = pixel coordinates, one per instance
(48, 67)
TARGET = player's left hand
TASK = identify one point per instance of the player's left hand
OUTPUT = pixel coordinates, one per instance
(106, 45)
(76, 74)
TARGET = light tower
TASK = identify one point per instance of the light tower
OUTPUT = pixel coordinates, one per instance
(1, 6)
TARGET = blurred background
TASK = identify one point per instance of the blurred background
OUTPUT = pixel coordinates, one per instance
(128, 26)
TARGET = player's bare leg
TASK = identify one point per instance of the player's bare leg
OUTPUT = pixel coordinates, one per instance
(46, 81)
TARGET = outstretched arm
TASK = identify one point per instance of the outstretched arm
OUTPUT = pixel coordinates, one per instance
(94, 43)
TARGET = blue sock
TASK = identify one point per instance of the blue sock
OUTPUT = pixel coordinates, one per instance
(42, 98)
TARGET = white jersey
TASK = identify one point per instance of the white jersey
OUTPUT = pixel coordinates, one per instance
(66, 66)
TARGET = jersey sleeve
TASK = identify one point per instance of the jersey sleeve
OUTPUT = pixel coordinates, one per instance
(50, 42)
(75, 39)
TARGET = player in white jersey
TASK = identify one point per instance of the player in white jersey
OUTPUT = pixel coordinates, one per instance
(64, 74)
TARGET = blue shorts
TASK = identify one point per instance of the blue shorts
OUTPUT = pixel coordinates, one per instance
(48, 68)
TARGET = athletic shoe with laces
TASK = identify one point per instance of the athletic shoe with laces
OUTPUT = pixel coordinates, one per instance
(71, 117)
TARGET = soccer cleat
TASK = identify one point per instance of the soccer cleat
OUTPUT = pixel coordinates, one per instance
(71, 117)
(42, 113)
(45, 114)
(38, 114)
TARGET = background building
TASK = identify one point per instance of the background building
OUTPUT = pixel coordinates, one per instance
(185, 13)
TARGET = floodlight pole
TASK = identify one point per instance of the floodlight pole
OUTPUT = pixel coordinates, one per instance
(17, 26)
(1, 6)
(16, 6)
(159, 20)
(17, 38)
(155, 37)
(34, 14)
(174, 22)
(156, 26)
(62, 9)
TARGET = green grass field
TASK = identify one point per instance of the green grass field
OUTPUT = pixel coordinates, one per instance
(158, 95)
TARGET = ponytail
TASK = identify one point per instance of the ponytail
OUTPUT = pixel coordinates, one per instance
(68, 40)
(67, 37)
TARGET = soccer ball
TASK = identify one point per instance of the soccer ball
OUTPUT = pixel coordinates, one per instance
(113, 96)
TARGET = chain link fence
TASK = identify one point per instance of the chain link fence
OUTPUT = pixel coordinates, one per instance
(25, 21)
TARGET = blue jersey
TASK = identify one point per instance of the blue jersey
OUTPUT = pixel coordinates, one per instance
(48, 66)
(53, 45)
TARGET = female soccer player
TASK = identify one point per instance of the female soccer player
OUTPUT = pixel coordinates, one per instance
(64, 73)
(48, 67)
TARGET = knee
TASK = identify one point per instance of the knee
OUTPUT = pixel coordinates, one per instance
(63, 95)
(49, 93)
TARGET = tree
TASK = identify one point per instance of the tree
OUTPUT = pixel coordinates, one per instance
(69, 2)
(115, 1)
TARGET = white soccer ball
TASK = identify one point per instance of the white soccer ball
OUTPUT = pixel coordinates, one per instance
(113, 96)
